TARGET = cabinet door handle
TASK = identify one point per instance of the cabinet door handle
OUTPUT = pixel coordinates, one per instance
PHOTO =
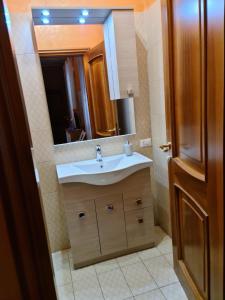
(109, 208)
(140, 220)
(82, 215)
(139, 201)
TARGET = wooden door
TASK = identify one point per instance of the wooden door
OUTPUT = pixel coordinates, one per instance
(196, 60)
(102, 108)
(25, 266)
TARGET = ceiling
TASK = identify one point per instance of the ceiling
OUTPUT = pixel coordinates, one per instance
(70, 16)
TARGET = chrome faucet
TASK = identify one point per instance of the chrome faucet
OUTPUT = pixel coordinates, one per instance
(98, 153)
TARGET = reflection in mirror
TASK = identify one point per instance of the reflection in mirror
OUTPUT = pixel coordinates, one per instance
(77, 90)
(78, 98)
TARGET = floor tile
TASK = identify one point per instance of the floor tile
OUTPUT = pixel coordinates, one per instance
(149, 253)
(60, 260)
(106, 266)
(165, 246)
(128, 259)
(65, 292)
(87, 288)
(138, 278)
(63, 277)
(161, 271)
(174, 292)
(114, 286)
(81, 274)
(69, 251)
(71, 263)
(169, 258)
(153, 295)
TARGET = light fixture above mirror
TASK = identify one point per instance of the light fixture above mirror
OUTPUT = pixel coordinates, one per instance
(70, 16)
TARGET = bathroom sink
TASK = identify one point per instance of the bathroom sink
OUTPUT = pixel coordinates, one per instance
(110, 170)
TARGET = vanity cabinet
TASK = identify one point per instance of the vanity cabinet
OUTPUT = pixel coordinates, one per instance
(109, 221)
(121, 54)
(84, 237)
(139, 226)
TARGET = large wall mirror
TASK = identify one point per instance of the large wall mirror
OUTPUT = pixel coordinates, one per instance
(77, 80)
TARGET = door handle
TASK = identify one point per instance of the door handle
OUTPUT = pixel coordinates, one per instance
(166, 147)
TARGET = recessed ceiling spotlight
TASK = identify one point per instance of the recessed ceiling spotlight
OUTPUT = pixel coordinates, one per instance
(45, 20)
(82, 20)
(45, 12)
(85, 12)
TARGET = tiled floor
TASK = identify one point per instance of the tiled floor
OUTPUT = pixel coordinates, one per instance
(146, 275)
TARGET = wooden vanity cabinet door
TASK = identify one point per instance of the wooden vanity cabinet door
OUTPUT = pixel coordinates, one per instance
(139, 227)
(138, 197)
(111, 223)
(83, 230)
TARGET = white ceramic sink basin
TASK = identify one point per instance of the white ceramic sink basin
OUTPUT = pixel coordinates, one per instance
(111, 170)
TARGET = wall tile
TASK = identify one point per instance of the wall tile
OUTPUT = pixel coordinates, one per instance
(33, 91)
(43, 145)
(155, 59)
(21, 28)
(157, 110)
(157, 97)
(48, 177)
(55, 219)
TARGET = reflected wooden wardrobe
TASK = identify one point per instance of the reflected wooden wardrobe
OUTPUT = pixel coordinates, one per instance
(194, 39)
(102, 109)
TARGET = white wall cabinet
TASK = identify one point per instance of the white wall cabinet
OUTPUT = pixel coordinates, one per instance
(121, 54)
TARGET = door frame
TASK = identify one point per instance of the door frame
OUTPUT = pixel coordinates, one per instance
(28, 255)
(214, 141)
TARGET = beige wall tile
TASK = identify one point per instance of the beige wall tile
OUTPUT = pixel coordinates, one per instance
(55, 219)
(33, 90)
(157, 98)
(48, 177)
(21, 29)
(43, 145)
(157, 112)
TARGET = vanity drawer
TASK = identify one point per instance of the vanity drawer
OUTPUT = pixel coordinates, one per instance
(111, 223)
(137, 198)
(139, 227)
(83, 230)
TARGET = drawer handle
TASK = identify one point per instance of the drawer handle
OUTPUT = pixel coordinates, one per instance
(82, 215)
(140, 220)
(110, 207)
(139, 201)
